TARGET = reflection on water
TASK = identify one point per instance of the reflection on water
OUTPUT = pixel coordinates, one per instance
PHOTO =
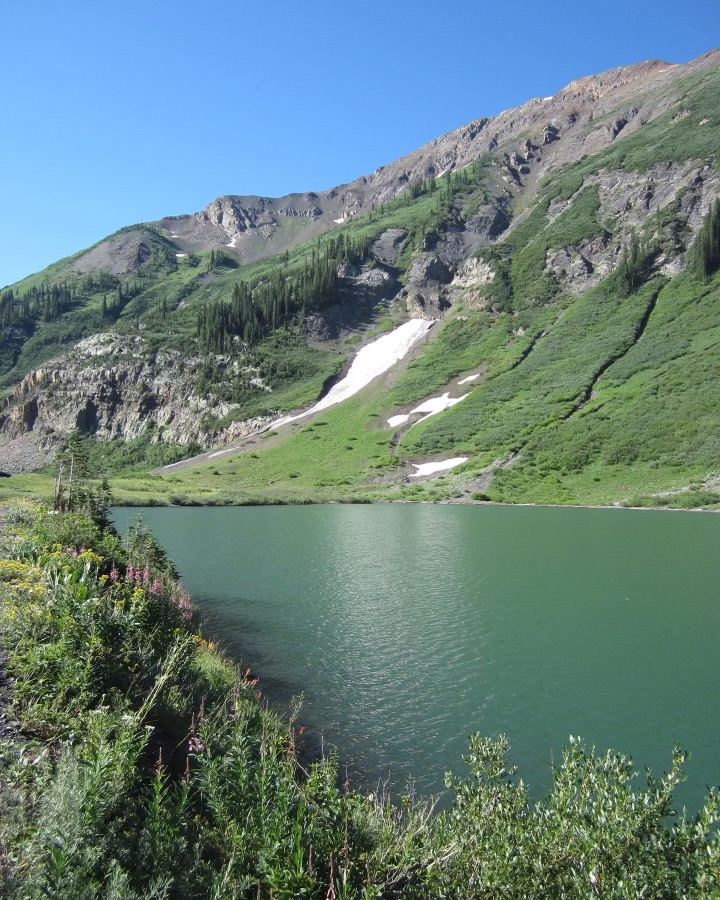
(408, 627)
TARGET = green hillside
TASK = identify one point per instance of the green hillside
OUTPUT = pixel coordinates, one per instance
(591, 326)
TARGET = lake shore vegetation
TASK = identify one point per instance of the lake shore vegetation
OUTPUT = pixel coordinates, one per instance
(137, 760)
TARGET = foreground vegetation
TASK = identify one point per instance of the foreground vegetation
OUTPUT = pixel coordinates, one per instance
(140, 762)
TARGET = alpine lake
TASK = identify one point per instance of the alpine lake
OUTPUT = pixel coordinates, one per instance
(407, 627)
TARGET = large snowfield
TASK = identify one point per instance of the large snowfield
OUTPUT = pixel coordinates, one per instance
(372, 360)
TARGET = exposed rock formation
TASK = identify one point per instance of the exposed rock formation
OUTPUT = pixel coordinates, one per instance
(113, 386)
(588, 115)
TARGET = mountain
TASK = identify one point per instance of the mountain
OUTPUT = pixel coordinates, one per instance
(566, 252)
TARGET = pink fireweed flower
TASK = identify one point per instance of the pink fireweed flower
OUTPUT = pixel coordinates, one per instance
(156, 587)
(146, 575)
(74, 553)
(130, 573)
(195, 745)
(114, 574)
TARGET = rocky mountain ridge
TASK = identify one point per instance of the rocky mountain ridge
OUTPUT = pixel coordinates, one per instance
(538, 137)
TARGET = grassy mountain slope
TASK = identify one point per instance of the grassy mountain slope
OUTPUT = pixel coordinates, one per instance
(556, 264)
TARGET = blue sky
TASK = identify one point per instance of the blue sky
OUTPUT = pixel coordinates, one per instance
(119, 113)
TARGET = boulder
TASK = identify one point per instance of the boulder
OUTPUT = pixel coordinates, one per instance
(427, 269)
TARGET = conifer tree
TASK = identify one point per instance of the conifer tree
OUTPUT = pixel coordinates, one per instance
(705, 254)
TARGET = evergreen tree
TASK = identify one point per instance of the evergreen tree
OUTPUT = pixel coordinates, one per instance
(704, 257)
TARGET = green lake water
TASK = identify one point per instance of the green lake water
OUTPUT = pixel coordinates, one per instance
(409, 627)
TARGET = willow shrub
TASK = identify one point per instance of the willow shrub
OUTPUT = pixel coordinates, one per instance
(143, 764)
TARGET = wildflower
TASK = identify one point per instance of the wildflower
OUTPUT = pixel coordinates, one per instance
(146, 576)
(114, 574)
(195, 745)
(130, 573)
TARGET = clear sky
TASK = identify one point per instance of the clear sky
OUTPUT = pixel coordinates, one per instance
(115, 113)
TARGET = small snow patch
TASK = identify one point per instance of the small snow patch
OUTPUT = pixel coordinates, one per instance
(179, 255)
(432, 467)
(436, 405)
(468, 379)
(232, 242)
(339, 221)
(430, 407)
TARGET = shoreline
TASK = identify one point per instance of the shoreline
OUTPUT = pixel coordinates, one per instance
(351, 502)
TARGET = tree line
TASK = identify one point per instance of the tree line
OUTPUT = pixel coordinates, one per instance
(254, 310)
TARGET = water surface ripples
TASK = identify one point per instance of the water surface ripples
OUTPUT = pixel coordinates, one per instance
(408, 627)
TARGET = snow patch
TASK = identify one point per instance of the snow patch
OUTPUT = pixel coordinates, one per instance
(432, 467)
(373, 360)
(436, 405)
(180, 255)
(232, 242)
(339, 221)
(468, 379)
(431, 407)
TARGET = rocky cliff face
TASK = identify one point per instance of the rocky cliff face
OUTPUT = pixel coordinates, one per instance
(114, 387)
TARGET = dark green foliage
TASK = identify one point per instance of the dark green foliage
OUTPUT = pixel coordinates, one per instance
(704, 257)
(255, 310)
(40, 316)
(283, 361)
(635, 265)
(652, 417)
(138, 455)
(217, 260)
(692, 499)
